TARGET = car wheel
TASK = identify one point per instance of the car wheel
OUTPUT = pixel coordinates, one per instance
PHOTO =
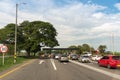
(108, 66)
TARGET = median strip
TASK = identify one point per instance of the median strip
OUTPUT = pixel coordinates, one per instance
(98, 70)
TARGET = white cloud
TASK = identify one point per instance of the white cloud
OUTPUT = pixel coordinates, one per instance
(6, 19)
(6, 6)
(107, 28)
(117, 5)
(29, 16)
(98, 15)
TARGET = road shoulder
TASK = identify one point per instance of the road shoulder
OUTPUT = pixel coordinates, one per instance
(15, 67)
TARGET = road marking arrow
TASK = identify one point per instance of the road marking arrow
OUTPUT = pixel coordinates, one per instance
(41, 61)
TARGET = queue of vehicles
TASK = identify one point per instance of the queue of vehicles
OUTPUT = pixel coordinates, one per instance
(109, 61)
(65, 57)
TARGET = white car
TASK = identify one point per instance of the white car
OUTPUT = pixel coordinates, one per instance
(84, 59)
(57, 56)
(64, 58)
(96, 57)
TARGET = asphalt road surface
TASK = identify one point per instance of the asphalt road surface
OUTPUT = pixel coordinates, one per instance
(50, 69)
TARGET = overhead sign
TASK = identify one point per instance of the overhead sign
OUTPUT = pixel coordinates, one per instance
(3, 49)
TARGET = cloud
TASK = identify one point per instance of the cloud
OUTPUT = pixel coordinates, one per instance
(98, 15)
(6, 6)
(117, 5)
(6, 19)
(107, 27)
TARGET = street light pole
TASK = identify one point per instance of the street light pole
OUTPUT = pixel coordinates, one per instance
(15, 52)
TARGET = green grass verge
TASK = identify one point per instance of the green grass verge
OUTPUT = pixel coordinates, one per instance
(9, 62)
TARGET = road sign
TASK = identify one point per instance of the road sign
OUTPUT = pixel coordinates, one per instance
(42, 44)
(3, 49)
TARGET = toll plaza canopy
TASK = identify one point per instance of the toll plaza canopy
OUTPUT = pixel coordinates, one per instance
(60, 48)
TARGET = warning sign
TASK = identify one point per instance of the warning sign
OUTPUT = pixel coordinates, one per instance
(3, 49)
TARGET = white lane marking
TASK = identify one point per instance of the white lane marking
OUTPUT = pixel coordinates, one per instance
(53, 63)
(98, 70)
(41, 61)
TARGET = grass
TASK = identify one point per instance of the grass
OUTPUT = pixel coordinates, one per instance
(9, 62)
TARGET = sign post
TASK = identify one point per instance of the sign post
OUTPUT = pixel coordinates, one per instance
(3, 49)
(3, 59)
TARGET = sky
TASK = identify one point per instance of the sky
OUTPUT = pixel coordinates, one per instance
(95, 22)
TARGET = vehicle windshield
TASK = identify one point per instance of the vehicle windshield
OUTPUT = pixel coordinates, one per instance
(74, 55)
(85, 56)
(64, 55)
(116, 57)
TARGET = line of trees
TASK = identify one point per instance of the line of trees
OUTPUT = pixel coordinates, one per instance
(84, 48)
(88, 48)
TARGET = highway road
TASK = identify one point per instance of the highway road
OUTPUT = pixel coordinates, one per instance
(49, 69)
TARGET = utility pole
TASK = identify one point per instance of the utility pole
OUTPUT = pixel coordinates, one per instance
(16, 20)
(15, 51)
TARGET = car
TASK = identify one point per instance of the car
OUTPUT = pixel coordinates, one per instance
(87, 53)
(57, 56)
(84, 59)
(44, 56)
(74, 57)
(96, 57)
(64, 58)
(110, 61)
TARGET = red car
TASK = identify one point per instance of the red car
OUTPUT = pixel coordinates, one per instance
(110, 61)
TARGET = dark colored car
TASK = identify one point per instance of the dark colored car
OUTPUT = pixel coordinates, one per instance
(74, 57)
(110, 61)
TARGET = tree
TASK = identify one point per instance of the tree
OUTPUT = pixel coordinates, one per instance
(79, 49)
(102, 48)
(7, 37)
(37, 32)
(72, 46)
(7, 33)
(86, 47)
